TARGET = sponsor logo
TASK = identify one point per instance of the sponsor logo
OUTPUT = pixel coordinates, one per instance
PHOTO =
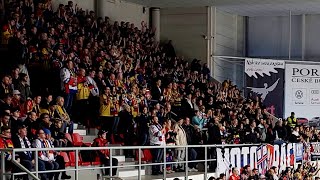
(299, 94)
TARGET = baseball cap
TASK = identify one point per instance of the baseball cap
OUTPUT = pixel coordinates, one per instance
(16, 92)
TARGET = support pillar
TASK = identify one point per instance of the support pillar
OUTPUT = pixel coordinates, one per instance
(98, 8)
(155, 22)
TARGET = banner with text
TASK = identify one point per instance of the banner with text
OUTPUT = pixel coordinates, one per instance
(302, 91)
(265, 79)
(261, 157)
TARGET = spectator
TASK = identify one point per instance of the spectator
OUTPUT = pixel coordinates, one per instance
(24, 87)
(292, 120)
(235, 174)
(181, 140)
(57, 158)
(61, 113)
(46, 159)
(5, 119)
(101, 141)
(143, 126)
(6, 143)
(157, 138)
(295, 136)
(5, 87)
(58, 136)
(280, 132)
(32, 125)
(198, 120)
(26, 158)
(15, 120)
(68, 84)
(252, 133)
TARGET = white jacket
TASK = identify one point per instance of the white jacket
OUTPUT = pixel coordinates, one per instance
(156, 136)
(181, 137)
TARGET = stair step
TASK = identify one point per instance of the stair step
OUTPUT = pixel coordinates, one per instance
(89, 138)
(120, 158)
(82, 132)
(129, 173)
(130, 165)
(93, 131)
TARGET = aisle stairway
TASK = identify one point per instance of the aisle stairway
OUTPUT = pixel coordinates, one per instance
(125, 173)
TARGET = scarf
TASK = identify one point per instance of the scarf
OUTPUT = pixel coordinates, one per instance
(28, 153)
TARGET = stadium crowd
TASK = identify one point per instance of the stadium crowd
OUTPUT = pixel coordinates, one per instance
(68, 65)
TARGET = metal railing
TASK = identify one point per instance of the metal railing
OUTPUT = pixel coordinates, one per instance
(35, 174)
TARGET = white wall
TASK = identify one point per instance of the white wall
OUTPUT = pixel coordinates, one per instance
(185, 27)
(118, 10)
(269, 37)
(229, 34)
(229, 41)
(312, 51)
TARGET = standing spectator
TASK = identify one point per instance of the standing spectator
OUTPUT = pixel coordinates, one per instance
(68, 84)
(279, 133)
(157, 91)
(295, 136)
(181, 140)
(157, 138)
(82, 96)
(252, 134)
(143, 126)
(187, 106)
(292, 120)
(262, 130)
(198, 120)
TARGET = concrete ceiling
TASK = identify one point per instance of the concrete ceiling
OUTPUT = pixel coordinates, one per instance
(243, 7)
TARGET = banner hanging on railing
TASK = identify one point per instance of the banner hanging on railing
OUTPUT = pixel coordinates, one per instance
(265, 79)
(299, 151)
(315, 150)
(261, 157)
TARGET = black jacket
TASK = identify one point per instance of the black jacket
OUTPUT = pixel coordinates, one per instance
(189, 133)
(214, 134)
(22, 155)
(25, 91)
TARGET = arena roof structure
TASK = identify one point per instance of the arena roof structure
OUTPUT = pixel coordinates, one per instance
(244, 7)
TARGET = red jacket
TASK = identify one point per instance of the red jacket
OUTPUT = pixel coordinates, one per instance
(99, 142)
(234, 177)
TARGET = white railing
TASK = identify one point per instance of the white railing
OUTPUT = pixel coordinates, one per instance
(77, 168)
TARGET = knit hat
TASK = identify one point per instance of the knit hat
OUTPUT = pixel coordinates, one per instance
(46, 131)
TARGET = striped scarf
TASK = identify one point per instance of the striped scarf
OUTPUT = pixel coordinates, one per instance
(23, 146)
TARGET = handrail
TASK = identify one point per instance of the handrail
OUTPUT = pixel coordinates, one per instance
(15, 162)
(125, 147)
(76, 168)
